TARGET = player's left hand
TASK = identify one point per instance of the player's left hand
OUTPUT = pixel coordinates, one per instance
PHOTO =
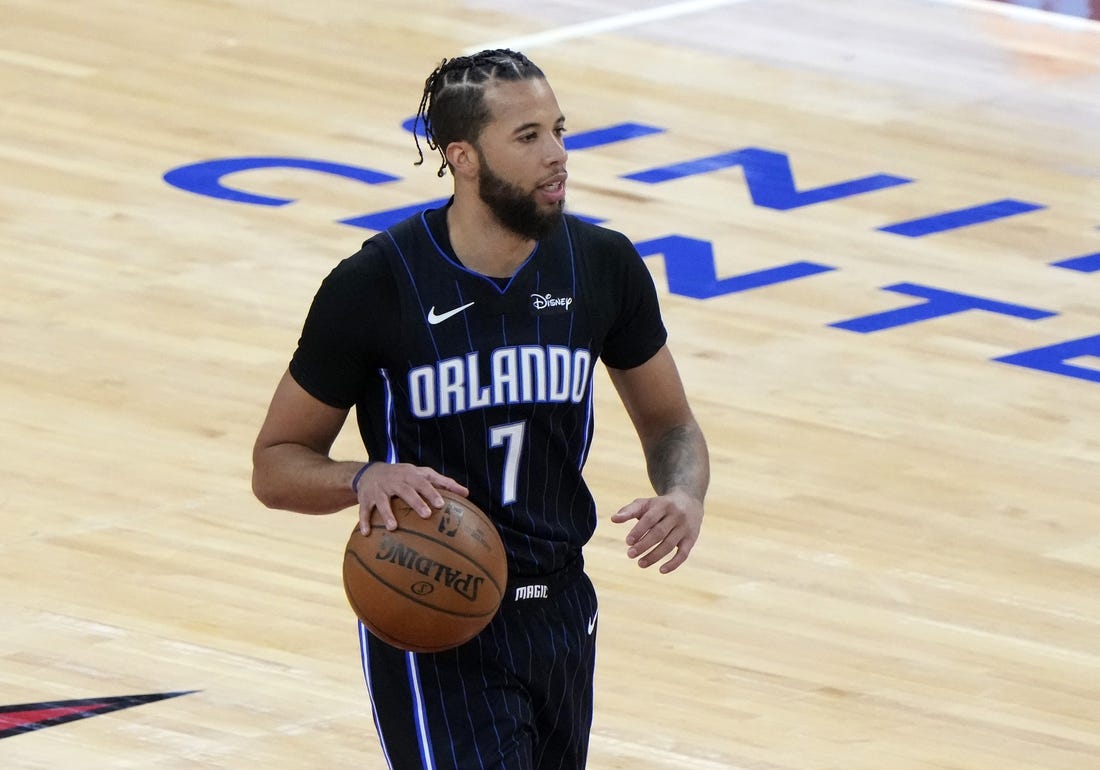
(667, 523)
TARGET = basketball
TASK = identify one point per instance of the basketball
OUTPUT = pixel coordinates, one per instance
(431, 584)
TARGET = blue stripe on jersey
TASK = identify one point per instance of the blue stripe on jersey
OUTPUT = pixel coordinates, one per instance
(582, 457)
(589, 407)
(391, 442)
(364, 656)
(423, 734)
(484, 689)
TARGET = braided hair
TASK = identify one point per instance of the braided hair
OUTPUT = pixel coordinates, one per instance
(452, 107)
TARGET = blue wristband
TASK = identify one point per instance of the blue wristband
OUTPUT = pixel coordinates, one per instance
(359, 475)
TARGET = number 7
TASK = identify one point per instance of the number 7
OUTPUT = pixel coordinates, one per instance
(510, 437)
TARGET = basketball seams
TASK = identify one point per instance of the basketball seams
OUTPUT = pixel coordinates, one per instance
(412, 597)
(482, 568)
(395, 642)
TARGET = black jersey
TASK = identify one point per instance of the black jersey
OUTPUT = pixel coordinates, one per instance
(488, 381)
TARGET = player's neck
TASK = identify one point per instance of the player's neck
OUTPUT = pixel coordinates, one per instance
(482, 244)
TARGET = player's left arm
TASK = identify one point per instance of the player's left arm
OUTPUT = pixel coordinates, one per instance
(676, 458)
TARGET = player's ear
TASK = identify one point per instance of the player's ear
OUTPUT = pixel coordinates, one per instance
(462, 158)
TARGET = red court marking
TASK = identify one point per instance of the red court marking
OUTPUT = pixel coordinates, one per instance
(33, 716)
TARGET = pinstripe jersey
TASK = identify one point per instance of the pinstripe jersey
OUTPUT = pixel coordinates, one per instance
(486, 380)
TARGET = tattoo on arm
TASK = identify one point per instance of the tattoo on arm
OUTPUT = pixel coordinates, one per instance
(679, 458)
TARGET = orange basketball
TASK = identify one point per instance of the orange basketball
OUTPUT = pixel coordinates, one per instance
(431, 584)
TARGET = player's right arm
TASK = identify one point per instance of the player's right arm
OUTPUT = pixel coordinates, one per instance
(292, 469)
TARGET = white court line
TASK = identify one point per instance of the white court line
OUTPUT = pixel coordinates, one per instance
(1026, 13)
(595, 26)
(672, 10)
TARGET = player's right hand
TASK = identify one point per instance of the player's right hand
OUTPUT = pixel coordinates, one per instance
(417, 485)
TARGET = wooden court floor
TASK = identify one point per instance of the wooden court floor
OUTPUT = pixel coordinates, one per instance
(875, 230)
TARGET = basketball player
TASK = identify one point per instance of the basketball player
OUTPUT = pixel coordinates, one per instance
(465, 338)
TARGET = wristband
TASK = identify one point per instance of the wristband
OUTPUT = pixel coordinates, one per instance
(359, 475)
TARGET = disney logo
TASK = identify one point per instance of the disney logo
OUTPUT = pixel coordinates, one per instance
(545, 301)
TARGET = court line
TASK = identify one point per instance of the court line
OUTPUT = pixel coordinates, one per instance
(1026, 13)
(595, 26)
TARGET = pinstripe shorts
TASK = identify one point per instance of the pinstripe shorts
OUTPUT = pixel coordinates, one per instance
(516, 697)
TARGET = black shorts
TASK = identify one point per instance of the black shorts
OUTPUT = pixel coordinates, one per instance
(516, 697)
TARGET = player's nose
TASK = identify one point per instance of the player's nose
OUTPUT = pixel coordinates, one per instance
(556, 152)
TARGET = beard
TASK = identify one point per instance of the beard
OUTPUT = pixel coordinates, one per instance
(515, 209)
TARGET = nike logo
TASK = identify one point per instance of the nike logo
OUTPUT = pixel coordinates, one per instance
(592, 622)
(434, 318)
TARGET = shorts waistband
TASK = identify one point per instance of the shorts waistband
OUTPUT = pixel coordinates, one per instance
(523, 588)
